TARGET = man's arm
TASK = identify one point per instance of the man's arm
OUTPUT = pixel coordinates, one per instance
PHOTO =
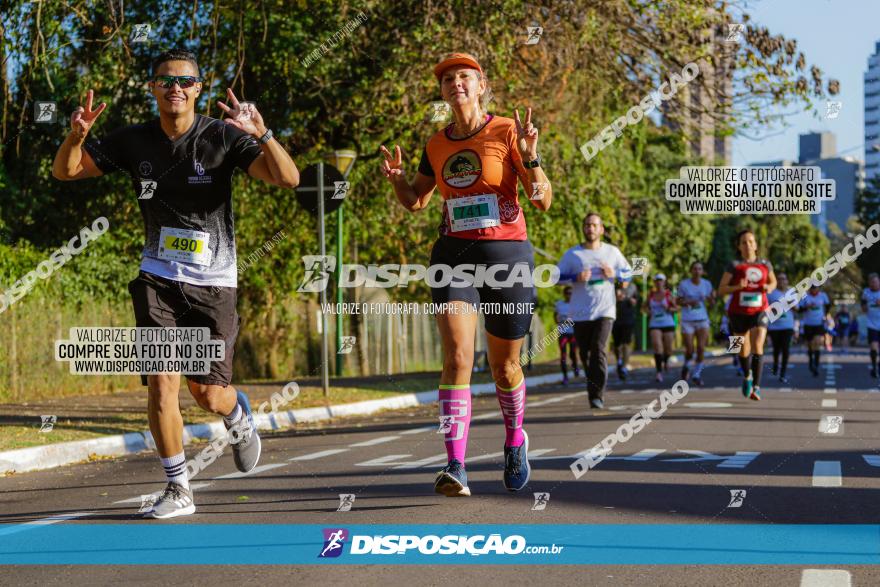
(71, 160)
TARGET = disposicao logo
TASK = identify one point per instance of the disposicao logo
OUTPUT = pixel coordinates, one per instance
(334, 538)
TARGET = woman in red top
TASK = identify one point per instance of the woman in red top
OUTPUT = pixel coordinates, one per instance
(476, 164)
(748, 279)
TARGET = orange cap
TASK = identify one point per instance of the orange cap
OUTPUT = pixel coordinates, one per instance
(454, 59)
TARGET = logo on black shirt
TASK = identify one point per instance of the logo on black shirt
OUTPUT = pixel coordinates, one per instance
(148, 189)
(145, 168)
(200, 176)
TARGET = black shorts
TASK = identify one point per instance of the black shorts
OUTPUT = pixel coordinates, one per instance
(663, 328)
(161, 302)
(873, 335)
(508, 309)
(621, 333)
(812, 331)
(742, 323)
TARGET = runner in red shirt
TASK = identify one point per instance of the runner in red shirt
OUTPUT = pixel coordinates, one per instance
(748, 279)
(476, 164)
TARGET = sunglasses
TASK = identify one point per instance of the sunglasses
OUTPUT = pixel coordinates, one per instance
(184, 81)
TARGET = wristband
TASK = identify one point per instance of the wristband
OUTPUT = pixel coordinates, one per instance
(266, 137)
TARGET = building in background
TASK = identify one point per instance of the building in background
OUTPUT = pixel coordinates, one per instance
(872, 116)
(819, 149)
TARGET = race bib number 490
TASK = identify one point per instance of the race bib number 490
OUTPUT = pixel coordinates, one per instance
(472, 212)
(184, 246)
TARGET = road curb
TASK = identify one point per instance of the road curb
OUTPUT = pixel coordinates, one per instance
(50, 456)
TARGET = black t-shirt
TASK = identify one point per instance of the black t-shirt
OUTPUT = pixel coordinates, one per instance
(185, 191)
(626, 308)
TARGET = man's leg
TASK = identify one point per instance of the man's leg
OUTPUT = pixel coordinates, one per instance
(166, 425)
(598, 367)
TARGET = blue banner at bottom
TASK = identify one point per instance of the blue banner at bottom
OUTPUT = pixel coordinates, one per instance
(527, 544)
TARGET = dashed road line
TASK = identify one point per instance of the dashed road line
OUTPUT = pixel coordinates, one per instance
(375, 441)
(827, 474)
(319, 455)
(825, 578)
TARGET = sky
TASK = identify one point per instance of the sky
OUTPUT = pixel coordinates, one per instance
(836, 35)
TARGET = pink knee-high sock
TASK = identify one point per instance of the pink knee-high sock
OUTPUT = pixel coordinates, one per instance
(513, 407)
(455, 403)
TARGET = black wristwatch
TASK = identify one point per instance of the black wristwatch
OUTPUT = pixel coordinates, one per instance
(536, 162)
(266, 137)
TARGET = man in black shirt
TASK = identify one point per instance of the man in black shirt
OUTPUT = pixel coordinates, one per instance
(181, 167)
(622, 331)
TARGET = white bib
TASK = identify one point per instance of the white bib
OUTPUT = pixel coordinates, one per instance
(470, 212)
(185, 246)
(750, 299)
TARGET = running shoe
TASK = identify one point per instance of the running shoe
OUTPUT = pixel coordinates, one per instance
(564, 380)
(620, 371)
(784, 379)
(516, 465)
(756, 394)
(246, 452)
(175, 501)
(697, 380)
(658, 377)
(624, 373)
(814, 371)
(576, 374)
(597, 403)
(684, 373)
(774, 369)
(874, 373)
(747, 387)
(452, 480)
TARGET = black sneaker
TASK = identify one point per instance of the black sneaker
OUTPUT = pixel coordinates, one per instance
(516, 465)
(774, 369)
(452, 480)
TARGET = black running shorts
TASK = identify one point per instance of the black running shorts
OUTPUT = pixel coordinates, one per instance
(742, 323)
(161, 302)
(508, 309)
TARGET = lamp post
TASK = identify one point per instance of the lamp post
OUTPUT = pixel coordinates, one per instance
(343, 160)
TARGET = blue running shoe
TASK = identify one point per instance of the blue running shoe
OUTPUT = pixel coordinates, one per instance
(243, 436)
(452, 480)
(747, 387)
(516, 465)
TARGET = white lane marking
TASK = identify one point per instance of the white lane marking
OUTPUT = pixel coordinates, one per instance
(708, 405)
(487, 416)
(430, 462)
(829, 403)
(486, 457)
(192, 487)
(829, 390)
(417, 430)
(319, 455)
(254, 471)
(873, 460)
(643, 455)
(849, 389)
(825, 578)
(374, 441)
(831, 424)
(382, 461)
(740, 460)
(827, 474)
(15, 528)
(534, 455)
(784, 389)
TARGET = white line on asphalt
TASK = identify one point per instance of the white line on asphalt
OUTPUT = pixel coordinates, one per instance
(417, 430)
(487, 416)
(827, 474)
(318, 455)
(873, 460)
(254, 471)
(13, 529)
(374, 441)
(829, 390)
(645, 454)
(829, 403)
(381, 461)
(825, 578)
(430, 462)
(192, 487)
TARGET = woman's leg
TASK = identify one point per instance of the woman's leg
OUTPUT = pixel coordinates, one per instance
(457, 332)
(510, 385)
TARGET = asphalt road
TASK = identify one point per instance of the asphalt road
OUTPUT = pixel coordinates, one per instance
(714, 458)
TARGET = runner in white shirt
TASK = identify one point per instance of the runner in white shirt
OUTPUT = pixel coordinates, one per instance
(693, 294)
(592, 268)
(871, 308)
(566, 334)
(660, 307)
(814, 308)
(782, 330)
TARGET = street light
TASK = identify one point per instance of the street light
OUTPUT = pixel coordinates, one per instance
(343, 160)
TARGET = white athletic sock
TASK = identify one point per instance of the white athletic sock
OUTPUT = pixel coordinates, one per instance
(175, 469)
(233, 417)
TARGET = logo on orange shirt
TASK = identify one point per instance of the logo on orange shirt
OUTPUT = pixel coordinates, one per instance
(462, 169)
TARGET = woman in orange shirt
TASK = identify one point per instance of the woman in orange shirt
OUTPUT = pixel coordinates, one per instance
(476, 163)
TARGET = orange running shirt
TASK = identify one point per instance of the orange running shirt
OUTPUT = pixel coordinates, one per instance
(487, 162)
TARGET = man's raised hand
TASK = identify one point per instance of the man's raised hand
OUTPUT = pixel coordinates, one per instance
(82, 119)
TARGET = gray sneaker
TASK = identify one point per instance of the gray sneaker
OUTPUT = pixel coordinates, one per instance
(175, 501)
(245, 441)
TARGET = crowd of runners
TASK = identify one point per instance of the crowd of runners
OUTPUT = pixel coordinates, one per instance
(181, 163)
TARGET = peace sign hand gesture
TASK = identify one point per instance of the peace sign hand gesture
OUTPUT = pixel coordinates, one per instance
(527, 136)
(243, 116)
(82, 119)
(392, 166)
